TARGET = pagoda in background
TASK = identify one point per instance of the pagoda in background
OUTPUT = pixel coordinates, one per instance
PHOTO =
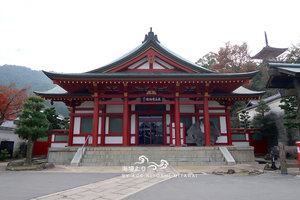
(269, 54)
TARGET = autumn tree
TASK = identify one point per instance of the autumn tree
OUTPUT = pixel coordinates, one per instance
(11, 101)
(32, 123)
(229, 59)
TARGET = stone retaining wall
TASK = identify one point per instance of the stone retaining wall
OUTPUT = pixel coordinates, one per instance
(176, 156)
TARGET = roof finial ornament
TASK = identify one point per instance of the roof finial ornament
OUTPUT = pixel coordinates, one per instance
(151, 36)
(266, 38)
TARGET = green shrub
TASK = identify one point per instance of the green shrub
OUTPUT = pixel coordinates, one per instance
(4, 155)
(18, 154)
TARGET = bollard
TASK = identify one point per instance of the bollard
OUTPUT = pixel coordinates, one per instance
(298, 152)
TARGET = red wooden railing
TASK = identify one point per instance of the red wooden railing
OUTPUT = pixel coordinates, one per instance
(252, 137)
(59, 136)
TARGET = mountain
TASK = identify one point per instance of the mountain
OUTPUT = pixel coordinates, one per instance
(25, 77)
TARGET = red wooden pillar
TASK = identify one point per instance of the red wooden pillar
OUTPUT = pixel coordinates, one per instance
(103, 127)
(95, 120)
(177, 120)
(206, 120)
(125, 120)
(71, 126)
(228, 125)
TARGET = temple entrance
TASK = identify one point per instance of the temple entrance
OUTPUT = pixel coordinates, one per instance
(151, 130)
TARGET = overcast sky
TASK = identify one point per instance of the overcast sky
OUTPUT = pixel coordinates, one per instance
(78, 36)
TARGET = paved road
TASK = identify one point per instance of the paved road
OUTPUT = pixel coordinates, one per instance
(208, 187)
(27, 185)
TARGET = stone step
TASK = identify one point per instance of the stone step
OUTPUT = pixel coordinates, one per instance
(87, 160)
(151, 156)
(171, 163)
(174, 156)
(153, 153)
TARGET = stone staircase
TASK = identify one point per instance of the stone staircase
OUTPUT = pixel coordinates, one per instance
(175, 156)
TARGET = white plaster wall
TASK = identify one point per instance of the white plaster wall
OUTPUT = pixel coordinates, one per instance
(241, 144)
(10, 136)
(274, 106)
(214, 104)
(216, 111)
(90, 140)
(59, 145)
(168, 107)
(84, 111)
(76, 125)
(106, 125)
(137, 63)
(113, 140)
(223, 127)
(114, 108)
(157, 66)
(99, 140)
(9, 124)
(213, 111)
(222, 139)
(168, 139)
(132, 140)
(78, 140)
(132, 128)
(187, 109)
(164, 63)
(100, 124)
(168, 120)
(86, 104)
(144, 66)
(132, 107)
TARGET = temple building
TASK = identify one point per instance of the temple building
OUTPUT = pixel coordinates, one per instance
(150, 96)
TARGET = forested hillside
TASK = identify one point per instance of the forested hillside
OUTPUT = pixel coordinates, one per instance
(25, 77)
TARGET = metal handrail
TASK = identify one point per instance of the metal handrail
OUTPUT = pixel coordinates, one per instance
(78, 155)
(86, 140)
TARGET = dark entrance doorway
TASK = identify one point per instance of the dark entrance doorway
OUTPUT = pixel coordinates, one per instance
(151, 130)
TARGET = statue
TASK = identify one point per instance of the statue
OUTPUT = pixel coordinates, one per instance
(195, 134)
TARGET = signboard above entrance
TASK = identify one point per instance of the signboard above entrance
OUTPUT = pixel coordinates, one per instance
(151, 99)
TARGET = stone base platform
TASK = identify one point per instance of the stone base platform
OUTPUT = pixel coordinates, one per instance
(175, 156)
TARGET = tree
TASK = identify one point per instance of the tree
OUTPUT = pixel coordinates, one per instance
(262, 108)
(55, 121)
(244, 119)
(265, 122)
(290, 107)
(11, 101)
(65, 123)
(52, 118)
(229, 59)
(208, 60)
(32, 123)
(293, 55)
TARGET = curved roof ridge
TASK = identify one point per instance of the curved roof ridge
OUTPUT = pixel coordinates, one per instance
(151, 40)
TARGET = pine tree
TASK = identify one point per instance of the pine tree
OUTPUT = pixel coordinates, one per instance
(290, 107)
(262, 108)
(244, 119)
(32, 123)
